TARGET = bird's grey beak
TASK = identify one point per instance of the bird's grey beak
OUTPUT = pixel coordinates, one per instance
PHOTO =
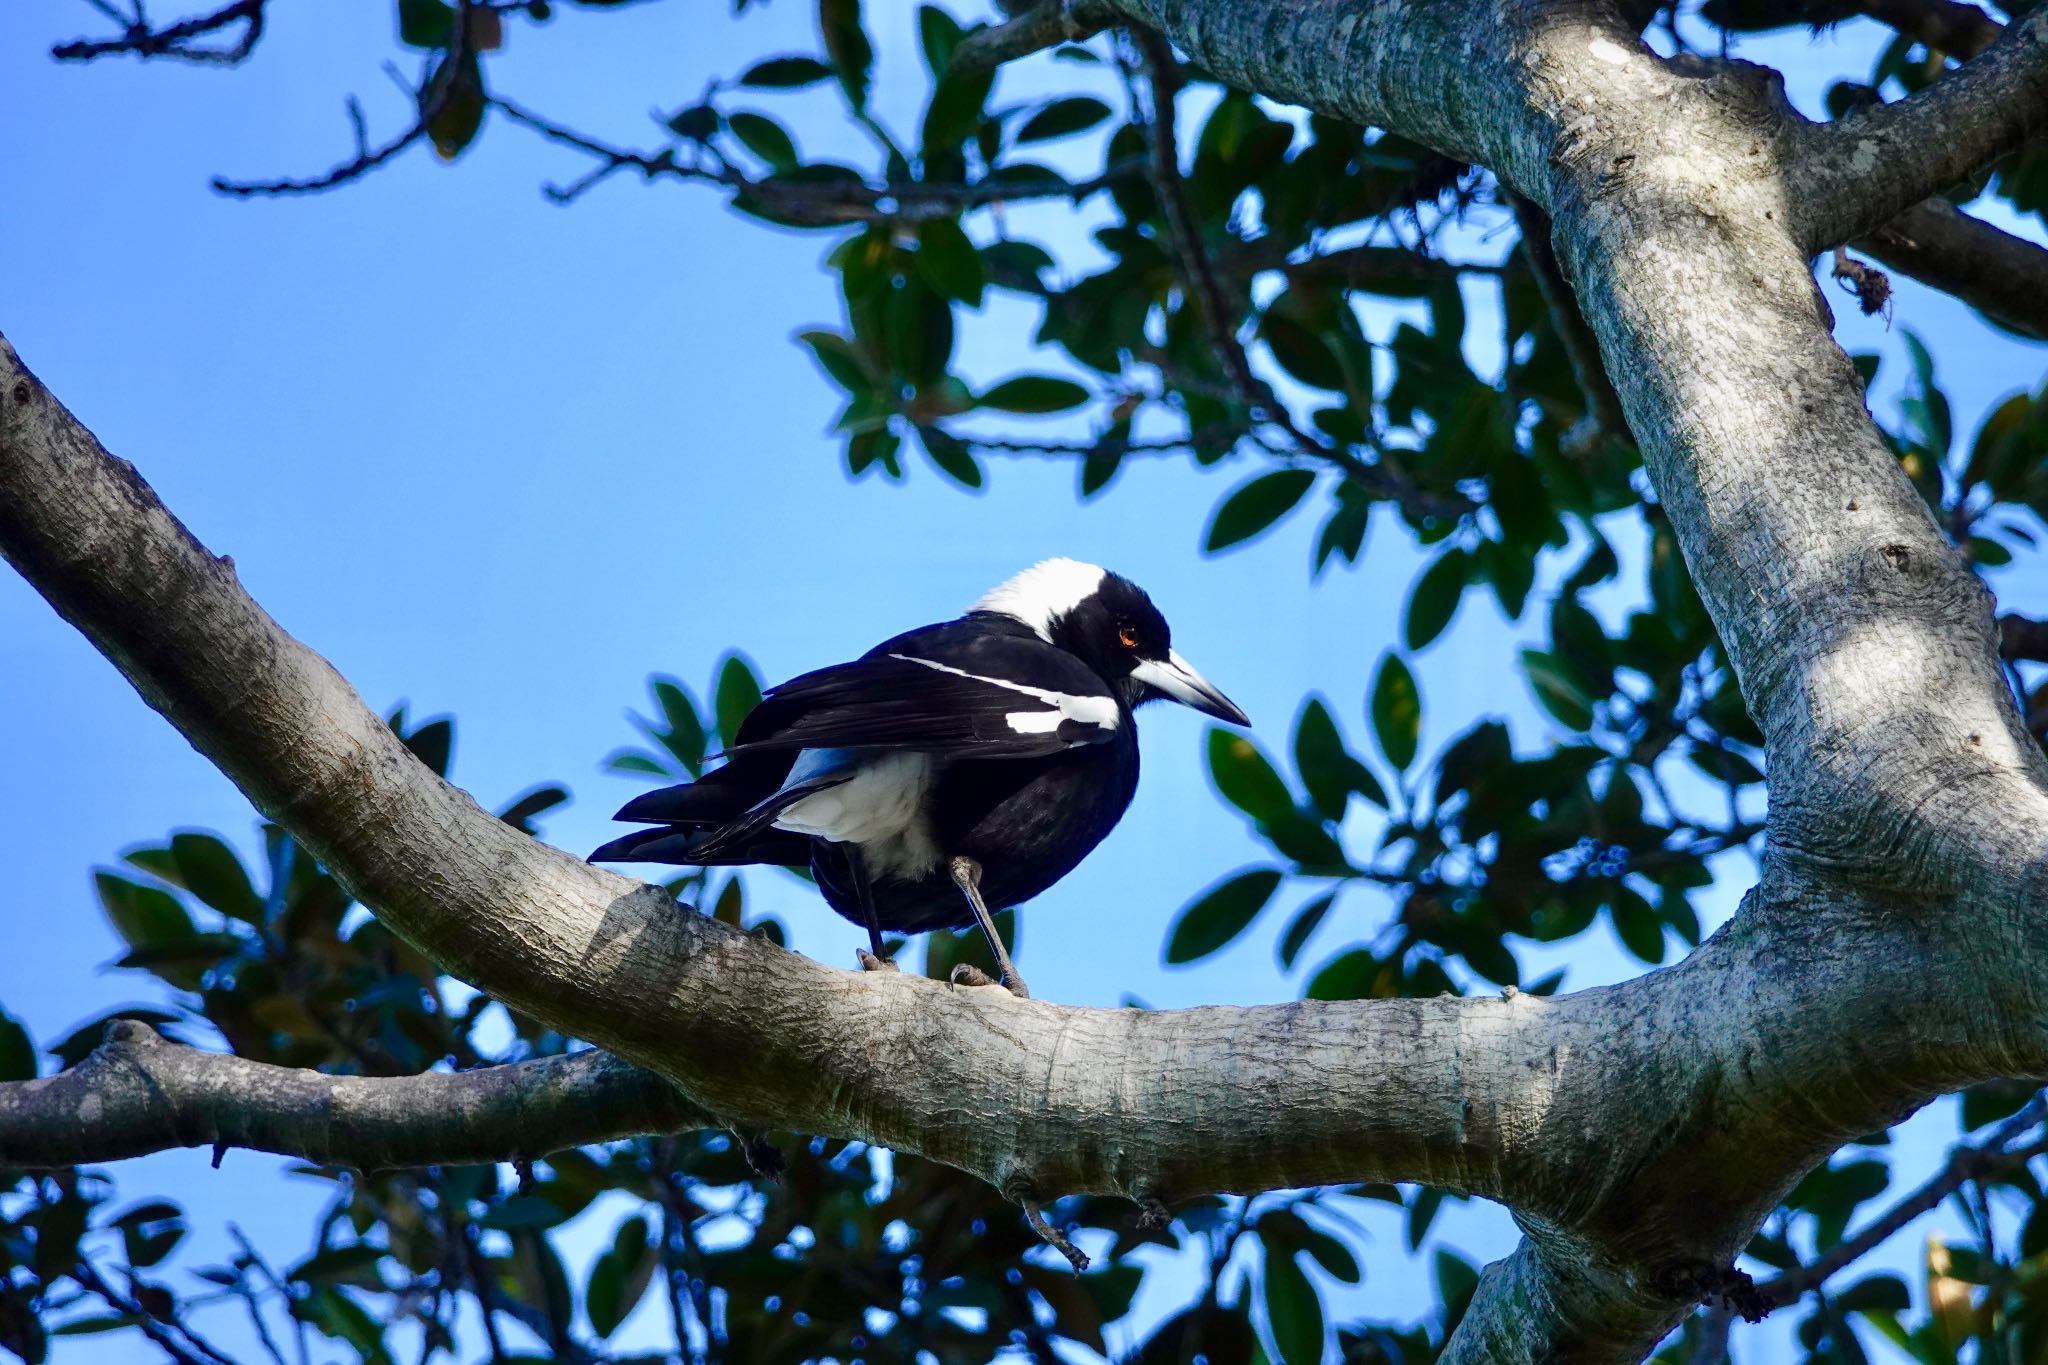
(1177, 678)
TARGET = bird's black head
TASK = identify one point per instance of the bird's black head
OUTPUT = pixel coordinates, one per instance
(1109, 623)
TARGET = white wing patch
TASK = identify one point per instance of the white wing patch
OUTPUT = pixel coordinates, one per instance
(1099, 712)
(1042, 593)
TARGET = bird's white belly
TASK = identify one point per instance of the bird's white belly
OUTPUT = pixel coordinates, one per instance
(880, 808)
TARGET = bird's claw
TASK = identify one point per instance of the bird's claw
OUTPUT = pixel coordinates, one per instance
(870, 962)
(967, 974)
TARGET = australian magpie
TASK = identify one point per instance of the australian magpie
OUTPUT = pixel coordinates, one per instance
(956, 769)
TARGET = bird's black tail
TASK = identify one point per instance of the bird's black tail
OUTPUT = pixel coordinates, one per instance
(725, 818)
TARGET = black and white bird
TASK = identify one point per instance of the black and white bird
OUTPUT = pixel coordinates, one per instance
(954, 770)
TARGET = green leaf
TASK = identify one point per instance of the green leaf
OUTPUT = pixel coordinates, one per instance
(1874, 1294)
(1435, 598)
(1256, 505)
(1220, 914)
(425, 23)
(433, 744)
(1063, 117)
(1347, 976)
(838, 359)
(1306, 922)
(847, 46)
(739, 691)
(1641, 932)
(1456, 1282)
(951, 458)
(17, 1050)
(938, 33)
(1328, 770)
(1557, 690)
(786, 73)
(949, 262)
(620, 1277)
(1246, 777)
(528, 806)
(524, 1211)
(142, 915)
(1034, 393)
(1396, 711)
(765, 138)
(210, 870)
(694, 124)
(1293, 1312)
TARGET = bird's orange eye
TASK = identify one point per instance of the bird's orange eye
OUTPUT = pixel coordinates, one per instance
(1129, 635)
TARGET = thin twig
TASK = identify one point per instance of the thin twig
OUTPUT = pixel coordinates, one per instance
(1046, 24)
(1994, 1156)
(1603, 417)
(139, 40)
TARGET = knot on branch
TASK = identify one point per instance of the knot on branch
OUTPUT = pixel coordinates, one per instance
(1712, 1286)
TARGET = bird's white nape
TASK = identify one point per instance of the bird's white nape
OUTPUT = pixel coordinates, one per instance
(1043, 593)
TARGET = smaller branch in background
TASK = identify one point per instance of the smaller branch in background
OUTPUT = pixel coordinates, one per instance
(1604, 417)
(1204, 291)
(256, 1261)
(1996, 1155)
(2002, 276)
(819, 203)
(1852, 176)
(2020, 637)
(138, 39)
(173, 1338)
(146, 1094)
(449, 106)
(1960, 30)
(1046, 24)
(1872, 287)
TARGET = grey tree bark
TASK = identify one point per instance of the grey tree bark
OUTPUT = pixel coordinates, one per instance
(1641, 1131)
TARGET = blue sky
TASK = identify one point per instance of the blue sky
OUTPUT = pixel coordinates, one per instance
(503, 459)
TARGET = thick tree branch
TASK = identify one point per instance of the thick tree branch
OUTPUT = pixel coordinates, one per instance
(1162, 1104)
(2002, 276)
(1909, 836)
(1858, 173)
(138, 1093)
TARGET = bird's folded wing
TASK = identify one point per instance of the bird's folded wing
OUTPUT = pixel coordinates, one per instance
(1036, 703)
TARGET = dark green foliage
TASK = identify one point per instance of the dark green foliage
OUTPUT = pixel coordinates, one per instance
(1260, 338)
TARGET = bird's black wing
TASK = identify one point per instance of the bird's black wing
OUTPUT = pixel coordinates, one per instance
(956, 689)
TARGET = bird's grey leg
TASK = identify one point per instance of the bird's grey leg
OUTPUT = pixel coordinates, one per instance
(864, 890)
(967, 876)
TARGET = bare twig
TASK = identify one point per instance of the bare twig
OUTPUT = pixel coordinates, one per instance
(1206, 293)
(1049, 1234)
(1994, 1156)
(819, 202)
(174, 41)
(1603, 417)
(174, 1339)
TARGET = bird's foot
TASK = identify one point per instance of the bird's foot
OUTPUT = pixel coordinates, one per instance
(967, 974)
(874, 962)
